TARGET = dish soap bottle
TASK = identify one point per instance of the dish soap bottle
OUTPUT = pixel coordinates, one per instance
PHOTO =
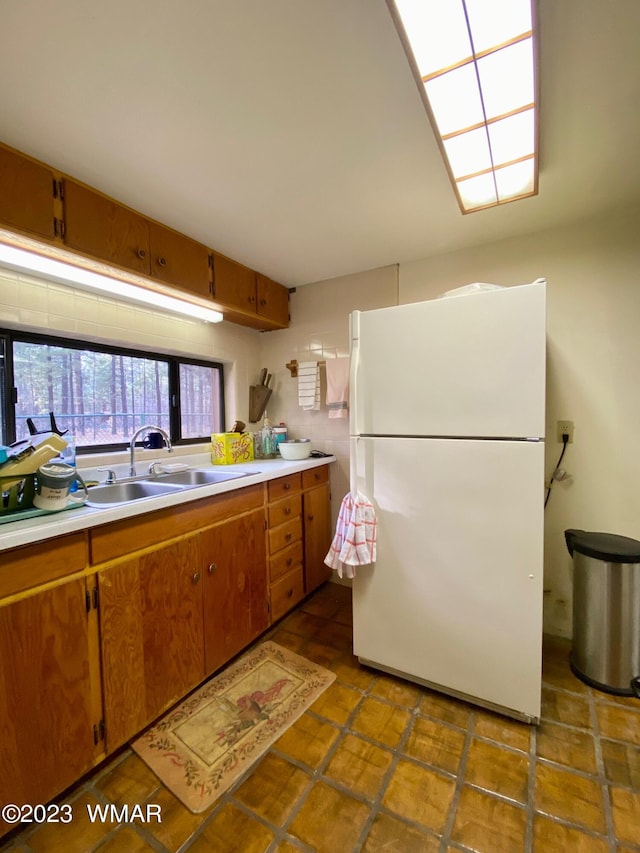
(268, 439)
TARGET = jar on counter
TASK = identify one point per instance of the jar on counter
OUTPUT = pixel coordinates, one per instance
(279, 434)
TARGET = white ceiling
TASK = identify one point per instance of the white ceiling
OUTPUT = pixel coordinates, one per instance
(290, 134)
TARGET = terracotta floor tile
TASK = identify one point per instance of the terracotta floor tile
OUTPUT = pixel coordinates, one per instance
(630, 702)
(308, 740)
(337, 702)
(435, 744)
(319, 653)
(129, 782)
(488, 825)
(381, 721)
(446, 709)
(498, 770)
(625, 806)
(178, 823)
(287, 847)
(349, 670)
(329, 821)
(78, 836)
(359, 766)
(619, 723)
(561, 707)
(548, 836)
(345, 615)
(419, 794)
(396, 690)
(288, 639)
(127, 839)
(503, 730)
(622, 763)
(232, 831)
(569, 796)
(323, 605)
(335, 634)
(555, 666)
(273, 789)
(390, 835)
(566, 746)
(305, 624)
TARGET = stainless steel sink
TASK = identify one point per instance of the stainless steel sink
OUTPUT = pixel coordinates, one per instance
(200, 478)
(119, 493)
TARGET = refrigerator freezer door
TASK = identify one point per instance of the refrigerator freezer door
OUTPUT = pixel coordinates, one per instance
(455, 597)
(463, 366)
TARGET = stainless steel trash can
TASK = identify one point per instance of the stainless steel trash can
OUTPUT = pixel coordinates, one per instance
(606, 611)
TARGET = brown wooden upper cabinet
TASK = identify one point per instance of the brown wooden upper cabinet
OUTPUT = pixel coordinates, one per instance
(26, 195)
(251, 297)
(179, 260)
(104, 229)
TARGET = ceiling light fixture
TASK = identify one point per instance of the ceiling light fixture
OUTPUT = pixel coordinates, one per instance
(475, 63)
(62, 272)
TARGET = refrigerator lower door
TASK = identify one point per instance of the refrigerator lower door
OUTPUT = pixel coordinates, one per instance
(454, 600)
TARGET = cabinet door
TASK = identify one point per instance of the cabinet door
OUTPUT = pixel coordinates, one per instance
(234, 286)
(235, 588)
(151, 636)
(317, 536)
(273, 300)
(104, 229)
(26, 197)
(46, 725)
(180, 261)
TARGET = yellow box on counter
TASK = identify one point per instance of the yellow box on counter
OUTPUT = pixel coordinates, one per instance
(228, 448)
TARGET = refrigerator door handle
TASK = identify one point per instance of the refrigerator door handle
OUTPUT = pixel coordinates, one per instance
(355, 404)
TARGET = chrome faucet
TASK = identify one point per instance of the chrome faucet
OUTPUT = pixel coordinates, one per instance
(132, 446)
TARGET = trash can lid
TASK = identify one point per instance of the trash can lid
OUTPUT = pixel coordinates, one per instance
(603, 546)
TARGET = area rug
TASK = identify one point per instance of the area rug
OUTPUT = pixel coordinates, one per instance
(199, 749)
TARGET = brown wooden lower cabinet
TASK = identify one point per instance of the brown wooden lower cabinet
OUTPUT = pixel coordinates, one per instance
(235, 587)
(316, 518)
(46, 722)
(151, 628)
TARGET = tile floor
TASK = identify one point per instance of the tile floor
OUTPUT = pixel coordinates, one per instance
(378, 764)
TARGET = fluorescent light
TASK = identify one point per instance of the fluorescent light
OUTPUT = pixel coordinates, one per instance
(66, 273)
(475, 61)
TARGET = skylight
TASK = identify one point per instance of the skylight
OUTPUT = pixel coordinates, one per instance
(476, 64)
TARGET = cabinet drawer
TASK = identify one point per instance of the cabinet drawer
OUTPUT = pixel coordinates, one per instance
(285, 560)
(32, 565)
(285, 534)
(283, 486)
(286, 593)
(315, 476)
(285, 510)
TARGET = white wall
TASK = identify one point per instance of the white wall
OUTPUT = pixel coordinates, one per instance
(33, 304)
(593, 275)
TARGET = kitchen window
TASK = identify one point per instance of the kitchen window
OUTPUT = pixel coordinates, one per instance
(102, 394)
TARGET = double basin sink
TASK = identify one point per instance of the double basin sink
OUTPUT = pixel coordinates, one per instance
(151, 487)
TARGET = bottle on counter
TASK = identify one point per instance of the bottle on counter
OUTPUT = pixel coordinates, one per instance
(279, 434)
(268, 439)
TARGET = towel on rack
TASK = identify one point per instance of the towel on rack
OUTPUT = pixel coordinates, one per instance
(309, 385)
(337, 387)
(354, 543)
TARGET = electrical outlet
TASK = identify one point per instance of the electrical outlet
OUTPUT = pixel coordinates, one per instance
(565, 428)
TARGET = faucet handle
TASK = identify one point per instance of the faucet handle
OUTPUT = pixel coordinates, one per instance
(152, 468)
(111, 476)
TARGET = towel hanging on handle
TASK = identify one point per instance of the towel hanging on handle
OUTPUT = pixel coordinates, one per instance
(354, 543)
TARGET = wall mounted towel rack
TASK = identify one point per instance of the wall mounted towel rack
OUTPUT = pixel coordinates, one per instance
(292, 366)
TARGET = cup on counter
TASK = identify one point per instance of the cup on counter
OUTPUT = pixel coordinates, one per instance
(154, 440)
(53, 483)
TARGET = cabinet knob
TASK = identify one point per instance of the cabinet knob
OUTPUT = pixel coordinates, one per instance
(162, 262)
(288, 536)
(252, 299)
(287, 486)
(310, 517)
(290, 593)
(196, 577)
(212, 568)
(317, 475)
(287, 510)
(289, 561)
(263, 302)
(141, 253)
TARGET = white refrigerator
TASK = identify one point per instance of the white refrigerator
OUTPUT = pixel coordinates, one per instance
(447, 422)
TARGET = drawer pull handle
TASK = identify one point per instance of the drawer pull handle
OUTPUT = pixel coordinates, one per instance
(212, 568)
(289, 561)
(287, 510)
(310, 518)
(288, 536)
(287, 486)
(162, 262)
(196, 577)
(290, 593)
(141, 253)
(317, 476)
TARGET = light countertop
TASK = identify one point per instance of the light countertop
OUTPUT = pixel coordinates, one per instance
(39, 528)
